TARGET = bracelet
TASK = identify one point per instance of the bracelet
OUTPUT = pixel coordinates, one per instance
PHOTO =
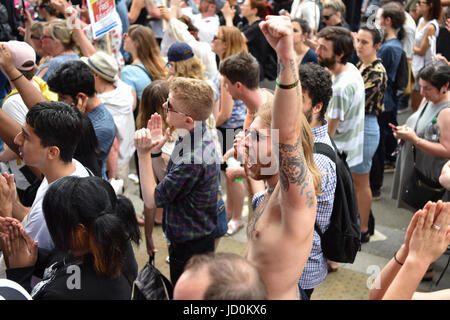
(395, 258)
(287, 86)
(21, 75)
(156, 155)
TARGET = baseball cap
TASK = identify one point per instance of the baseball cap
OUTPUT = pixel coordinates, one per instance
(22, 53)
(179, 51)
(104, 65)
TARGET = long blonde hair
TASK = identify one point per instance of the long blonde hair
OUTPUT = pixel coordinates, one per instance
(265, 113)
(147, 50)
(232, 36)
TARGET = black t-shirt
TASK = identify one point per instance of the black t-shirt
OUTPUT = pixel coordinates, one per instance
(261, 50)
(442, 42)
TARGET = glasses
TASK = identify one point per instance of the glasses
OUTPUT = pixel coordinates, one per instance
(46, 37)
(169, 107)
(35, 37)
(328, 17)
(217, 38)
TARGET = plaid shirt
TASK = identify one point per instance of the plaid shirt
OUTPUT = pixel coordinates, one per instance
(188, 192)
(316, 269)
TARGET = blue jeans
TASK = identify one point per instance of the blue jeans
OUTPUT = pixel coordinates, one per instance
(371, 141)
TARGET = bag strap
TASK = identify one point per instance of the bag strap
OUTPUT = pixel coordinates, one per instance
(143, 69)
(415, 130)
(326, 150)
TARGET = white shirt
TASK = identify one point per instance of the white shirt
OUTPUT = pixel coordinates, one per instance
(35, 225)
(307, 10)
(119, 103)
(207, 27)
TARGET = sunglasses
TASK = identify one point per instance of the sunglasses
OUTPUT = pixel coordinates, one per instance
(169, 107)
(35, 37)
(217, 38)
(328, 17)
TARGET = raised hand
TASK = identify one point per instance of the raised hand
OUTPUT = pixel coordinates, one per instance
(431, 236)
(278, 31)
(6, 59)
(155, 126)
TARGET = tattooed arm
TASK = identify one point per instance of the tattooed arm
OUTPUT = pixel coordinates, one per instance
(297, 190)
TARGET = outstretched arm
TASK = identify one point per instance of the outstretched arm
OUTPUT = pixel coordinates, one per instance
(297, 190)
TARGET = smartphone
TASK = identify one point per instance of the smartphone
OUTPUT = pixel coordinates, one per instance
(392, 126)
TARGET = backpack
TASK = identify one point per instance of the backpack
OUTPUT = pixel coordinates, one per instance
(342, 240)
(401, 77)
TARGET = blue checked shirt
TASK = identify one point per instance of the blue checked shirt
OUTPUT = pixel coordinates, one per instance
(316, 268)
(188, 192)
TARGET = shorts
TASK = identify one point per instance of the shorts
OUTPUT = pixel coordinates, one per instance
(222, 220)
(371, 140)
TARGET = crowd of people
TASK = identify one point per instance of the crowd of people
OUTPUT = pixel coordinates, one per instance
(200, 94)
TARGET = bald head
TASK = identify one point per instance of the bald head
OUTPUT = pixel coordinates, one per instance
(220, 276)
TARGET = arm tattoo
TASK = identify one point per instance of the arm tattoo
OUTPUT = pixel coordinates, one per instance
(280, 67)
(293, 168)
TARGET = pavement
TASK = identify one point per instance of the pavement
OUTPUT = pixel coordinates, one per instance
(351, 281)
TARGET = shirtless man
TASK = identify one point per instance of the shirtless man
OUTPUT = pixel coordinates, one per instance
(280, 233)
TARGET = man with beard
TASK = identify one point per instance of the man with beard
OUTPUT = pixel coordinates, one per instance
(345, 114)
(276, 245)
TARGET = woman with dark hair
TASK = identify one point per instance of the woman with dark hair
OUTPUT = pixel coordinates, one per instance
(153, 98)
(424, 48)
(302, 31)
(426, 134)
(374, 75)
(91, 229)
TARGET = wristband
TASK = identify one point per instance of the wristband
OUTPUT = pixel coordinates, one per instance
(287, 86)
(21, 75)
(156, 155)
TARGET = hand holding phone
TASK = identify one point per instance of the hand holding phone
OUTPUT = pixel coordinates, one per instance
(392, 126)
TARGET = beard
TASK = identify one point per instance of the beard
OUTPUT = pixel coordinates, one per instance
(327, 62)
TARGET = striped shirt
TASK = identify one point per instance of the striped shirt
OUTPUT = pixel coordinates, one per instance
(188, 192)
(348, 105)
(316, 268)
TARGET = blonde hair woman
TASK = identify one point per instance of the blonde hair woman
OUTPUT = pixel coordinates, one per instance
(57, 42)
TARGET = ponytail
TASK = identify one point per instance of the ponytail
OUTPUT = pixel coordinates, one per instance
(125, 211)
(108, 242)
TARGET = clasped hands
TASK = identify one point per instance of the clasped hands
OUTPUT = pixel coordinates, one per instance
(428, 234)
(19, 249)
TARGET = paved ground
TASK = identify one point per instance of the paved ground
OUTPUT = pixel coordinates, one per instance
(350, 282)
